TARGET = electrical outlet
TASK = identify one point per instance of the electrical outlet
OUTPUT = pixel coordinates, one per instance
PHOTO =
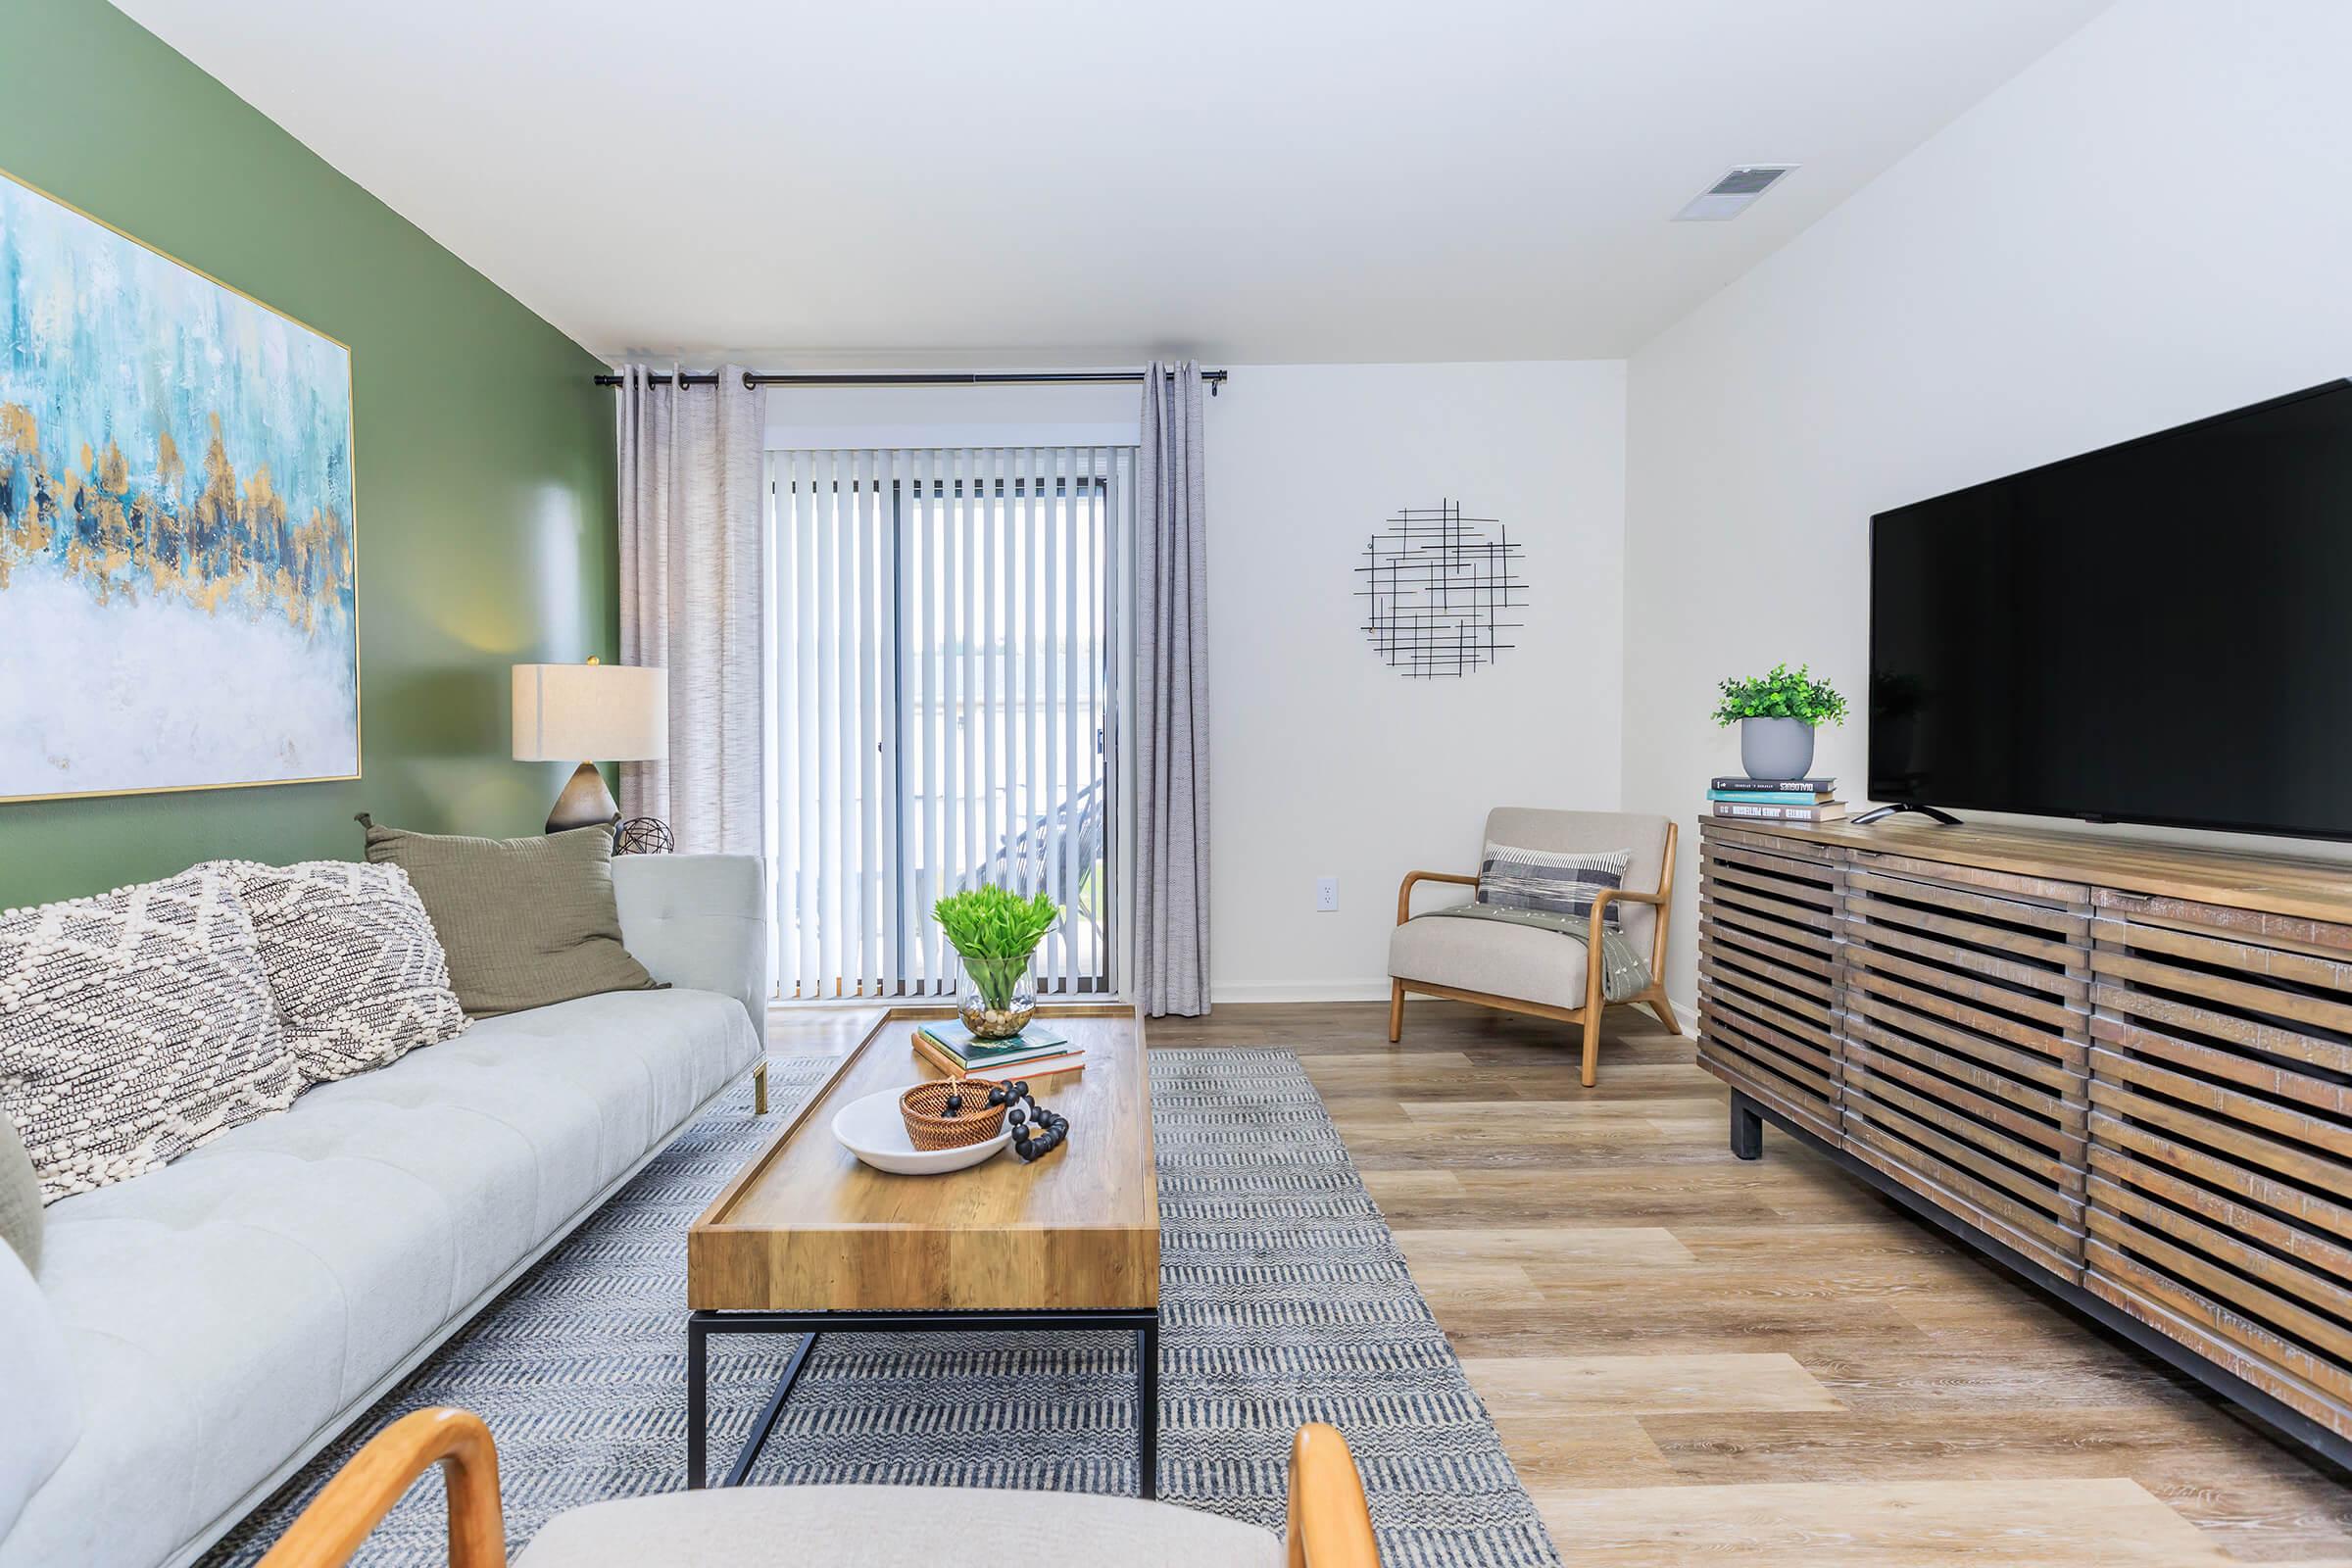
(1327, 892)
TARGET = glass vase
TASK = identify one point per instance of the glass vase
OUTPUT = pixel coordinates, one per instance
(998, 996)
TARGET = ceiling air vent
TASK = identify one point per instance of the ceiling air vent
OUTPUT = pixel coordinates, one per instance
(1728, 196)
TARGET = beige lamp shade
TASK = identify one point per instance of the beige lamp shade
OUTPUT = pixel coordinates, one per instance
(590, 712)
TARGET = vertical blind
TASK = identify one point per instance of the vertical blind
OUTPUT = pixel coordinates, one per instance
(943, 630)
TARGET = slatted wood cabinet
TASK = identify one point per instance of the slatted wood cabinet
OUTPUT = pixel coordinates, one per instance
(2124, 1068)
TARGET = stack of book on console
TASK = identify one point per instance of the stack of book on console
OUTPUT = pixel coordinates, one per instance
(1776, 800)
(1037, 1051)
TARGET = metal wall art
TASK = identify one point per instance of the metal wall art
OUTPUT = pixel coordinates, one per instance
(1438, 587)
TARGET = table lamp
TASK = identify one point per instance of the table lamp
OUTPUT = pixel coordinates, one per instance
(613, 712)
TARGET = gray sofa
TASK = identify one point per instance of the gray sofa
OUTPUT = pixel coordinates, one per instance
(197, 1334)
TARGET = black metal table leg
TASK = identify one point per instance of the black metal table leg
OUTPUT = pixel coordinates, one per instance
(698, 1400)
(1147, 1405)
(767, 1417)
(1143, 1322)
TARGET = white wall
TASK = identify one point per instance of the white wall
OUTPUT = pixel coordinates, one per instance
(1326, 762)
(1087, 415)
(2143, 228)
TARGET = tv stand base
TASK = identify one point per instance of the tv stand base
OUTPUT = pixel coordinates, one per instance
(1944, 817)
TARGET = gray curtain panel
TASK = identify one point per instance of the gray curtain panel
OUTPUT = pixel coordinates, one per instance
(691, 536)
(1171, 697)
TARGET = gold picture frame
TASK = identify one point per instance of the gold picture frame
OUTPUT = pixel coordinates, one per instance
(268, 536)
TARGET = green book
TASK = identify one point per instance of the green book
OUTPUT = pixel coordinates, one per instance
(1029, 1044)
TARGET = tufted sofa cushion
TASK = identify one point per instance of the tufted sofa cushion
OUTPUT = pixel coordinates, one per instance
(221, 1314)
(40, 1410)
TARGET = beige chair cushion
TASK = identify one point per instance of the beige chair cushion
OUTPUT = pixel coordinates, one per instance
(894, 1527)
(1519, 962)
(1533, 828)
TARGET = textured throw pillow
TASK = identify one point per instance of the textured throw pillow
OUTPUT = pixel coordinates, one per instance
(358, 975)
(1555, 881)
(134, 1026)
(20, 1198)
(525, 922)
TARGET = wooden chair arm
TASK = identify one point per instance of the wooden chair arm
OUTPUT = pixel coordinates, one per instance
(1330, 1522)
(365, 1489)
(1404, 888)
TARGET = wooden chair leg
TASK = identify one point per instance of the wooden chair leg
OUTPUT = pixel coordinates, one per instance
(1396, 1011)
(759, 1090)
(1665, 1012)
(1595, 1004)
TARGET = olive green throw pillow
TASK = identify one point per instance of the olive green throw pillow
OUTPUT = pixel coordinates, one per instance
(525, 922)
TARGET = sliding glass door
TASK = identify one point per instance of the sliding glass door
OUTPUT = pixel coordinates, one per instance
(944, 647)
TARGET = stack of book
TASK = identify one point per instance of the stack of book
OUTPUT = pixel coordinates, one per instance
(1778, 799)
(1037, 1051)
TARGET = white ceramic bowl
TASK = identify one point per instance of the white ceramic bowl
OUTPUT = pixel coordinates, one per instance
(873, 1130)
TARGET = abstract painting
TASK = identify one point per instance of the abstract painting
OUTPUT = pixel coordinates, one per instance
(177, 547)
(1439, 588)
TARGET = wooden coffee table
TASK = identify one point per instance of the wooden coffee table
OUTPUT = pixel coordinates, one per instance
(807, 1240)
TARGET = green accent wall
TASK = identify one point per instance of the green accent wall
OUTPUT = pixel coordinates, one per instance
(482, 457)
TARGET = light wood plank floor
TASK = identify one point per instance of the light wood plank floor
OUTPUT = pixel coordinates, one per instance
(1689, 1356)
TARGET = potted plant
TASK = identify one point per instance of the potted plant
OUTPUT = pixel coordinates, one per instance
(1775, 715)
(994, 932)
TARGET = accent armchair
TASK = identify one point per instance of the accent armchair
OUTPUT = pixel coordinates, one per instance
(799, 1526)
(1548, 974)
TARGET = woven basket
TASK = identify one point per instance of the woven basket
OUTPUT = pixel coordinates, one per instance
(929, 1127)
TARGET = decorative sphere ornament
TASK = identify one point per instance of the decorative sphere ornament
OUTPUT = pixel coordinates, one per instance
(643, 835)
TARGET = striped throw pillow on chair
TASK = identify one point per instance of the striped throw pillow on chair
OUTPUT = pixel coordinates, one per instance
(1552, 881)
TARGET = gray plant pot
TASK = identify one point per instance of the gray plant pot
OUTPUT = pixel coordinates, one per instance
(1776, 748)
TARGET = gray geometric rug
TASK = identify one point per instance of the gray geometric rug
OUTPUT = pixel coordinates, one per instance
(1283, 1299)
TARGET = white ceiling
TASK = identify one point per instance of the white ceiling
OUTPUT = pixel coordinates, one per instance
(1030, 182)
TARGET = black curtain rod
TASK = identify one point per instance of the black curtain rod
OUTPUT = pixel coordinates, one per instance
(753, 379)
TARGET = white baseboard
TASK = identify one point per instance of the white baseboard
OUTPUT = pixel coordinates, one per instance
(1304, 991)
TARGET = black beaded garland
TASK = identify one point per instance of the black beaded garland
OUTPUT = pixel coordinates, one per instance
(1037, 1131)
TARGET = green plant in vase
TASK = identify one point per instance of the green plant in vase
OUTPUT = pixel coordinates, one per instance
(994, 932)
(1777, 713)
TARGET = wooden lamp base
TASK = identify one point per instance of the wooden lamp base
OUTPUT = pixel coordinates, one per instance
(584, 803)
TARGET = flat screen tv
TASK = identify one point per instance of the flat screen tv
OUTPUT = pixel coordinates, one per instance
(2158, 631)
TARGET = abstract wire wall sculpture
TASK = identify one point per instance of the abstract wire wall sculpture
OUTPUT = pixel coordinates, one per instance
(1438, 589)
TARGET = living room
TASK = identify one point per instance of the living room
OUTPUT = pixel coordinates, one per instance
(928, 782)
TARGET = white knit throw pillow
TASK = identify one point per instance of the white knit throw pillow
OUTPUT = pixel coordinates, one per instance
(134, 1026)
(357, 970)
